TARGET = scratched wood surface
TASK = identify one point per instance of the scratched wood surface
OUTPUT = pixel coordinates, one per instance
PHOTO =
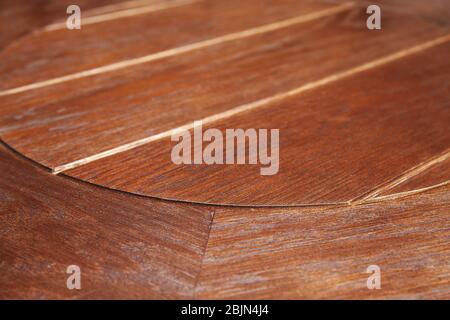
(394, 167)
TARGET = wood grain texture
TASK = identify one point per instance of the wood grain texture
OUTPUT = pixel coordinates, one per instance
(48, 222)
(67, 122)
(130, 246)
(21, 17)
(126, 246)
(44, 55)
(435, 175)
(337, 142)
(323, 253)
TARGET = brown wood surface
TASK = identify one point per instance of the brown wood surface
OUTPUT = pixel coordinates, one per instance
(437, 174)
(44, 55)
(126, 247)
(323, 253)
(378, 137)
(337, 142)
(21, 17)
(142, 248)
(76, 119)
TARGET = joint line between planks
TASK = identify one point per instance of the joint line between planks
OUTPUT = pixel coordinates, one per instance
(407, 175)
(180, 50)
(213, 214)
(259, 103)
(125, 13)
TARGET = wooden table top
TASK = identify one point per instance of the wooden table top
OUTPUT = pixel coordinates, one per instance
(86, 118)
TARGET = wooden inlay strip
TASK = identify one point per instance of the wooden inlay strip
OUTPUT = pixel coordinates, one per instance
(180, 50)
(124, 13)
(19, 18)
(337, 142)
(435, 176)
(250, 106)
(398, 195)
(415, 171)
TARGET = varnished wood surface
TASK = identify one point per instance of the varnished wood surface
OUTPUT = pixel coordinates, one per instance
(337, 142)
(139, 247)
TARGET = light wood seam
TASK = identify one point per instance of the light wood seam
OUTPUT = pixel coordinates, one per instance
(399, 195)
(407, 175)
(256, 104)
(311, 205)
(121, 6)
(180, 50)
(123, 13)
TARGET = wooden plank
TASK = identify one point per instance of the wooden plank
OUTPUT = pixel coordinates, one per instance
(126, 246)
(323, 253)
(70, 121)
(48, 54)
(337, 142)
